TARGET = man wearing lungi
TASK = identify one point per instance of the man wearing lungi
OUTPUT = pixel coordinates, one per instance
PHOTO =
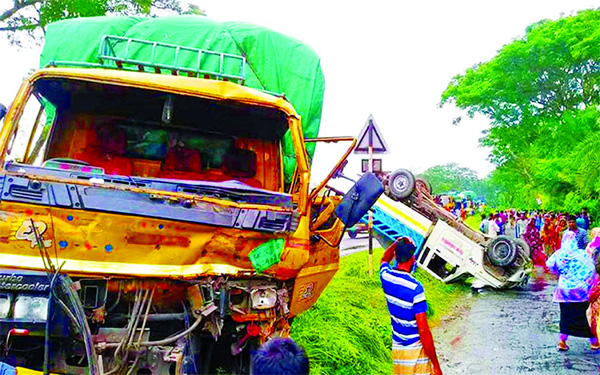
(413, 351)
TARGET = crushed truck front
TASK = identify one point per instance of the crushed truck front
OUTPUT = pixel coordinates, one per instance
(163, 199)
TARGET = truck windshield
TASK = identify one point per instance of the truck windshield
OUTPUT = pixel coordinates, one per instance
(140, 132)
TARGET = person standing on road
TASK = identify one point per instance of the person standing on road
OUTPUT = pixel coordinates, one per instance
(483, 227)
(586, 218)
(548, 234)
(521, 224)
(593, 247)
(413, 350)
(510, 228)
(576, 276)
(581, 235)
(561, 227)
(536, 245)
(493, 228)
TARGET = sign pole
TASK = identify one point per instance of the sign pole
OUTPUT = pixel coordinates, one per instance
(370, 141)
(370, 218)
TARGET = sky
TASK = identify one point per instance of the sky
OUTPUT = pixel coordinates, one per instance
(391, 60)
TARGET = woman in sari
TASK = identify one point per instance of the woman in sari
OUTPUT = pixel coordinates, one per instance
(561, 227)
(548, 234)
(576, 275)
(533, 239)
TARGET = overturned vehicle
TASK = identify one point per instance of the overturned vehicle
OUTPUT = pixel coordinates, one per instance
(449, 250)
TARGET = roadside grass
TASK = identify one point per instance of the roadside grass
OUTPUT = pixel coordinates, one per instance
(348, 330)
(474, 221)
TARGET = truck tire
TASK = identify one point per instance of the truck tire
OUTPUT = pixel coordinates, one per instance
(502, 251)
(523, 247)
(401, 184)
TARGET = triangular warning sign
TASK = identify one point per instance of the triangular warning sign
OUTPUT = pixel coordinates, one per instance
(371, 136)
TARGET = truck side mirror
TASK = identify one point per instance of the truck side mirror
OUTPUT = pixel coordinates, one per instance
(2, 111)
(359, 199)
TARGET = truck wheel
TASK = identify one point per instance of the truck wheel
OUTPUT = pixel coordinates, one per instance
(401, 184)
(523, 247)
(502, 251)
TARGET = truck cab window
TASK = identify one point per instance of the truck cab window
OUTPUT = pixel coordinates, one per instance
(28, 141)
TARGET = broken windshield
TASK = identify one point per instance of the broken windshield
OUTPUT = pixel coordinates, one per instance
(128, 131)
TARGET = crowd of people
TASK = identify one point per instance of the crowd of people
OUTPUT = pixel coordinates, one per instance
(541, 231)
(560, 243)
(567, 246)
(460, 206)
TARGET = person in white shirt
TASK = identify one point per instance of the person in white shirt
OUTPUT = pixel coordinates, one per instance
(493, 228)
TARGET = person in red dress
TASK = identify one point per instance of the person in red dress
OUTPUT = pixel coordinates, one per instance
(536, 245)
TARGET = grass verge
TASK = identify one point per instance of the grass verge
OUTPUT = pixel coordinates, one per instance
(348, 330)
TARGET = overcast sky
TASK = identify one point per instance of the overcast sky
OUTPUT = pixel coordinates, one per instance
(388, 59)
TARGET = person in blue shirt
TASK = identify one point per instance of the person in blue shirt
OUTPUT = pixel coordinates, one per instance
(586, 218)
(413, 350)
(581, 235)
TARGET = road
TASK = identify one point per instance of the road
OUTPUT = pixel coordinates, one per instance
(504, 332)
(511, 332)
(354, 245)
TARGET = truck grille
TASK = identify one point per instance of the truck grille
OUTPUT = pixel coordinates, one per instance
(275, 225)
(21, 192)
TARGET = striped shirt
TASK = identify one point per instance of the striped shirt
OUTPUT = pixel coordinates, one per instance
(405, 298)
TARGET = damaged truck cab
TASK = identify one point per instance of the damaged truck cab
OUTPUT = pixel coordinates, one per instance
(146, 225)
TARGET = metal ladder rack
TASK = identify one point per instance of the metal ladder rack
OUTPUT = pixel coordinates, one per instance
(125, 53)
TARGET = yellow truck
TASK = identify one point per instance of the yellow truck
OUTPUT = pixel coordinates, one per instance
(147, 224)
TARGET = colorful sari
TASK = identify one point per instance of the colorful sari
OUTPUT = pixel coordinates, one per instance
(533, 239)
(549, 235)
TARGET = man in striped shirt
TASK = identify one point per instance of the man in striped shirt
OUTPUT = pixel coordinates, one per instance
(413, 351)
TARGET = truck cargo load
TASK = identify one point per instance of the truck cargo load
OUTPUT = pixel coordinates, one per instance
(273, 62)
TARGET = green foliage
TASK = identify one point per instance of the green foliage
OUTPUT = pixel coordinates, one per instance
(348, 331)
(541, 93)
(451, 176)
(30, 17)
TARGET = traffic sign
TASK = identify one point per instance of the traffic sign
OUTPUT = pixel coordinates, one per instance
(371, 136)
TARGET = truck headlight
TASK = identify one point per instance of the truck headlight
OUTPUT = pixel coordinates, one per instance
(263, 298)
(5, 301)
(31, 308)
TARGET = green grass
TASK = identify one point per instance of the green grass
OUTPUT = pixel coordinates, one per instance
(348, 330)
(474, 221)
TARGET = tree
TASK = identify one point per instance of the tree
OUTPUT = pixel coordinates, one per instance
(30, 17)
(451, 176)
(541, 93)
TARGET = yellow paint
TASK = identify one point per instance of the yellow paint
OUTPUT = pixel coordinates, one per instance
(309, 285)
(388, 206)
(96, 243)
(207, 88)
(26, 371)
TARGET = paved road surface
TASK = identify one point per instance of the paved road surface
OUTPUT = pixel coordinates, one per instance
(353, 245)
(504, 332)
(509, 333)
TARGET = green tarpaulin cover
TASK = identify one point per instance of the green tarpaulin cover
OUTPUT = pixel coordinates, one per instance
(274, 62)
